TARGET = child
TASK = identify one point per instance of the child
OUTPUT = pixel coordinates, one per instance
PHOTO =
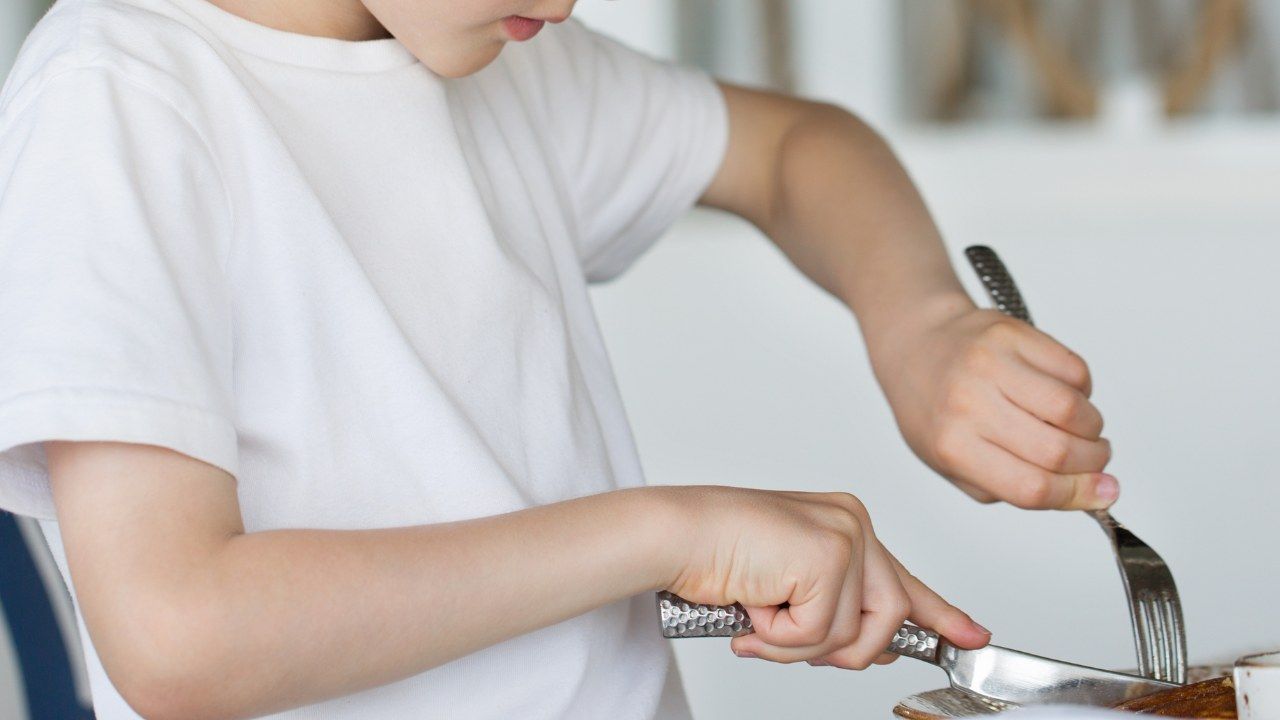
(299, 354)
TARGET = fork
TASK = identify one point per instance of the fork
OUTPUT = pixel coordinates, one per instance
(1154, 607)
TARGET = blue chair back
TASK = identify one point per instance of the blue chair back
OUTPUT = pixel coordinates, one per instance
(46, 672)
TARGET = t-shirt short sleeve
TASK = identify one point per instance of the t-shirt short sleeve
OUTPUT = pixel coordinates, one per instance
(639, 141)
(115, 319)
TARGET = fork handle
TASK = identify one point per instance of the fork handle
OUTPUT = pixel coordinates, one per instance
(998, 282)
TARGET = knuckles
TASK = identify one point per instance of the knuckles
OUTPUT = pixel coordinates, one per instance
(949, 446)
(958, 400)
(837, 546)
(979, 359)
(1036, 492)
(848, 502)
(1064, 406)
(1106, 453)
(1057, 454)
(1077, 372)
(1004, 331)
(846, 514)
(898, 608)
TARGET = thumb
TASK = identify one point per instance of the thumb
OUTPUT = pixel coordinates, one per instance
(1085, 491)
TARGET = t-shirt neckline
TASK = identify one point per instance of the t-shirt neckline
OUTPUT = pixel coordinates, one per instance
(297, 49)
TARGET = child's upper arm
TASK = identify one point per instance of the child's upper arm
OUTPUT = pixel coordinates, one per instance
(136, 522)
(748, 177)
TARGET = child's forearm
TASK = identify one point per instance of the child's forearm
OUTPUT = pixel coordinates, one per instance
(850, 217)
(193, 618)
(393, 603)
(832, 195)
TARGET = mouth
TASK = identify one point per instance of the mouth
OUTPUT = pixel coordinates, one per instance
(521, 28)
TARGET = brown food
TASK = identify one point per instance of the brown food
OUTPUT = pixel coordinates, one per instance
(1209, 699)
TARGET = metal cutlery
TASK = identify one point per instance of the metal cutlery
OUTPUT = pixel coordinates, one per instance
(1154, 606)
(992, 672)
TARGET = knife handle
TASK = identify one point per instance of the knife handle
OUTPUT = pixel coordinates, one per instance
(998, 282)
(916, 642)
(681, 618)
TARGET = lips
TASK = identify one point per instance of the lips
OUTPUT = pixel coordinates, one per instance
(522, 28)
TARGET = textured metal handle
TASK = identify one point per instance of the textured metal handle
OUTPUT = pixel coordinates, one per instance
(916, 642)
(998, 282)
(683, 619)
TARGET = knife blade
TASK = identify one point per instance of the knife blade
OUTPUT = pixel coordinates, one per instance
(1018, 677)
(995, 672)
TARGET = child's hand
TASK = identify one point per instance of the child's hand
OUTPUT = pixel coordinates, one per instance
(1002, 410)
(845, 595)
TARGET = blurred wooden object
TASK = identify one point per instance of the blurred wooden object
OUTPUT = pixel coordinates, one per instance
(1068, 91)
(776, 17)
(702, 38)
(1219, 29)
(952, 39)
(1216, 31)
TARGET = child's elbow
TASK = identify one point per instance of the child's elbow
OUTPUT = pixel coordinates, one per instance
(161, 698)
(171, 667)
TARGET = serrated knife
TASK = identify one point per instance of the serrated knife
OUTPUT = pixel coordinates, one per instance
(993, 671)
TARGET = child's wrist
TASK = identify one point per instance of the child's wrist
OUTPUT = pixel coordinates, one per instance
(669, 518)
(895, 335)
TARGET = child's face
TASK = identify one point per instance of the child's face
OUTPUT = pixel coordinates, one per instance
(458, 37)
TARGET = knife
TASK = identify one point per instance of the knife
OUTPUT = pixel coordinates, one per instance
(993, 671)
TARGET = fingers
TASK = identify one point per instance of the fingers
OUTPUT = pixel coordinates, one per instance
(788, 634)
(885, 605)
(1029, 486)
(975, 492)
(918, 603)
(846, 625)
(1050, 399)
(814, 623)
(1054, 358)
(1044, 445)
(930, 610)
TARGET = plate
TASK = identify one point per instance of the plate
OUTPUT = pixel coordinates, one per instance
(948, 703)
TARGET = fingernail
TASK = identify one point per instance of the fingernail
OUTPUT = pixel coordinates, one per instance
(1107, 488)
(746, 654)
(819, 663)
(981, 629)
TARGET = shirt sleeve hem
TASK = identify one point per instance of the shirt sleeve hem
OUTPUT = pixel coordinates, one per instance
(78, 414)
(705, 163)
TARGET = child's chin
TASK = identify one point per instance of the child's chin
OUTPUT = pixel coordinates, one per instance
(463, 63)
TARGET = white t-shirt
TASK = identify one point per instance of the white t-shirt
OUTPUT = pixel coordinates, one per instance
(358, 287)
